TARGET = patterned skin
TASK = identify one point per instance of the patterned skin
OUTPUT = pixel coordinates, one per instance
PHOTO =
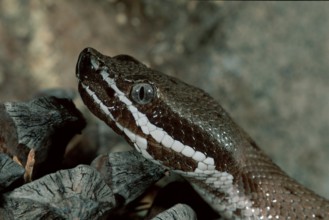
(184, 129)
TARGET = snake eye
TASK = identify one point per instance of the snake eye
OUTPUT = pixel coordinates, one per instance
(142, 93)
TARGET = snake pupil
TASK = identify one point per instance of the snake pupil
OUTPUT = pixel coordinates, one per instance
(141, 93)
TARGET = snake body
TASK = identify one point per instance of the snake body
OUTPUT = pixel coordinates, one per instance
(184, 129)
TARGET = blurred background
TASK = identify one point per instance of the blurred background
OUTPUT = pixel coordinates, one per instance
(266, 62)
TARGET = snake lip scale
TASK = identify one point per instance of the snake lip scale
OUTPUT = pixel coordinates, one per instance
(182, 128)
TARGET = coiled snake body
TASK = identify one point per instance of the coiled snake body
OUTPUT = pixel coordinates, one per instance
(183, 128)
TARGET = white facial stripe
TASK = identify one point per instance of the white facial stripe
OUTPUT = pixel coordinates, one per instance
(167, 141)
(145, 130)
(177, 146)
(130, 135)
(152, 127)
(209, 161)
(188, 151)
(98, 101)
(141, 142)
(158, 134)
(202, 166)
(142, 121)
(119, 126)
(125, 100)
(198, 156)
(133, 110)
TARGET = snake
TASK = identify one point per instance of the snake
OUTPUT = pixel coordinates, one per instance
(185, 130)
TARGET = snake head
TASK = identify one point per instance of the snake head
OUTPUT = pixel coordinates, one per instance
(165, 119)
